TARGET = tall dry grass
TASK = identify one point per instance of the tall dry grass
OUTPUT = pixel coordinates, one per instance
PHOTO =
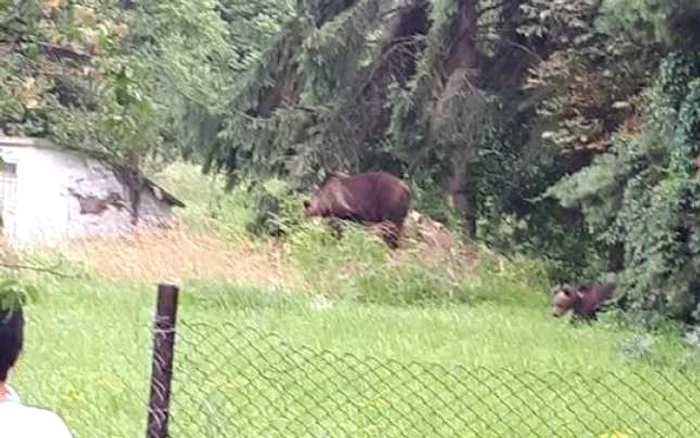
(176, 255)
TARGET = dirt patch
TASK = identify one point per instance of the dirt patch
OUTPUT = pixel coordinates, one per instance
(433, 242)
(428, 233)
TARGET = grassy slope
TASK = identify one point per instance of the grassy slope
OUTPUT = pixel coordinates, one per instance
(88, 345)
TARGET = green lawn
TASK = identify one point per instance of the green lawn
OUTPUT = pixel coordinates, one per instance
(267, 363)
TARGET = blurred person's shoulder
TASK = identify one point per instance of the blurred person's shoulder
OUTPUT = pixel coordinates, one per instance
(22, 421)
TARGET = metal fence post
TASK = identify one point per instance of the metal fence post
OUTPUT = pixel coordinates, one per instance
(162, 361)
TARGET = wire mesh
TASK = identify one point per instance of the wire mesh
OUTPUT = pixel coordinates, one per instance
(230, 380)
(238, 381)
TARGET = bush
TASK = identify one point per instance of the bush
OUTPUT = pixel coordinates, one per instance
(267, 208)
(644, 192)
(207, 206)
(329, 264)
(431, 202)
(359, 267)
(277, 209)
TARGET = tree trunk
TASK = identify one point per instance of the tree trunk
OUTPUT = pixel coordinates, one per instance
(462, 196)
(134, 184)
(505, 72)
(460, 68)
(616, 257)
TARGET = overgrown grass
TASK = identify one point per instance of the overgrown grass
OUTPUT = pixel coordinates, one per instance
(242, 213)
(361, 268)
(353, 316)
(87, 355)
(207, 208)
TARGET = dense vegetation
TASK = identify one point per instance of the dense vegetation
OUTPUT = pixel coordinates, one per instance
(565, 130)
(270, 333)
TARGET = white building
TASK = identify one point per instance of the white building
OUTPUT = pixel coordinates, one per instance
(48, 194)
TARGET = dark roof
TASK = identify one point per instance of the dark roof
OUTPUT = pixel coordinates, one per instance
(159, 192)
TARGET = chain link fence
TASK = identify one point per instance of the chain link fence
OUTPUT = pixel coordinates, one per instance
(236, 381)
(227, 380)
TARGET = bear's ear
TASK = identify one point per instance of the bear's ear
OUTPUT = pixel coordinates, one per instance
(331, 176)
(583, 287)
(562, 288)
(338, 174)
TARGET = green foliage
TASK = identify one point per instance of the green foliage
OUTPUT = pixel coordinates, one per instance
(359, 267)
(251, 25)
(26, 283)
(567, 23)
(15, 293)
(417, 283)
(209, 207)
(428, 198)
(642, 193)
(278, 209)
(299, 109)
(428, 143)
(244, 145)
(672, 23)
(114, 83)
(329, 263)
(249, 28)
(269, 208)
(332, 54)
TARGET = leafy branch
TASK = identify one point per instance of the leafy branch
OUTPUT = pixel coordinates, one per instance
(41, 269)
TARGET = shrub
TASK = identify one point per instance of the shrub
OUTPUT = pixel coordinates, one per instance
(643, 192)
(277, 209)
(360, 267)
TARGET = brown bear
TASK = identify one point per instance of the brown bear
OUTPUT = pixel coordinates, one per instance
(378, 200)
(584, 300)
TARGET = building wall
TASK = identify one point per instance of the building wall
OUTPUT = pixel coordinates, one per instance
(15, 190)
(47, 211)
